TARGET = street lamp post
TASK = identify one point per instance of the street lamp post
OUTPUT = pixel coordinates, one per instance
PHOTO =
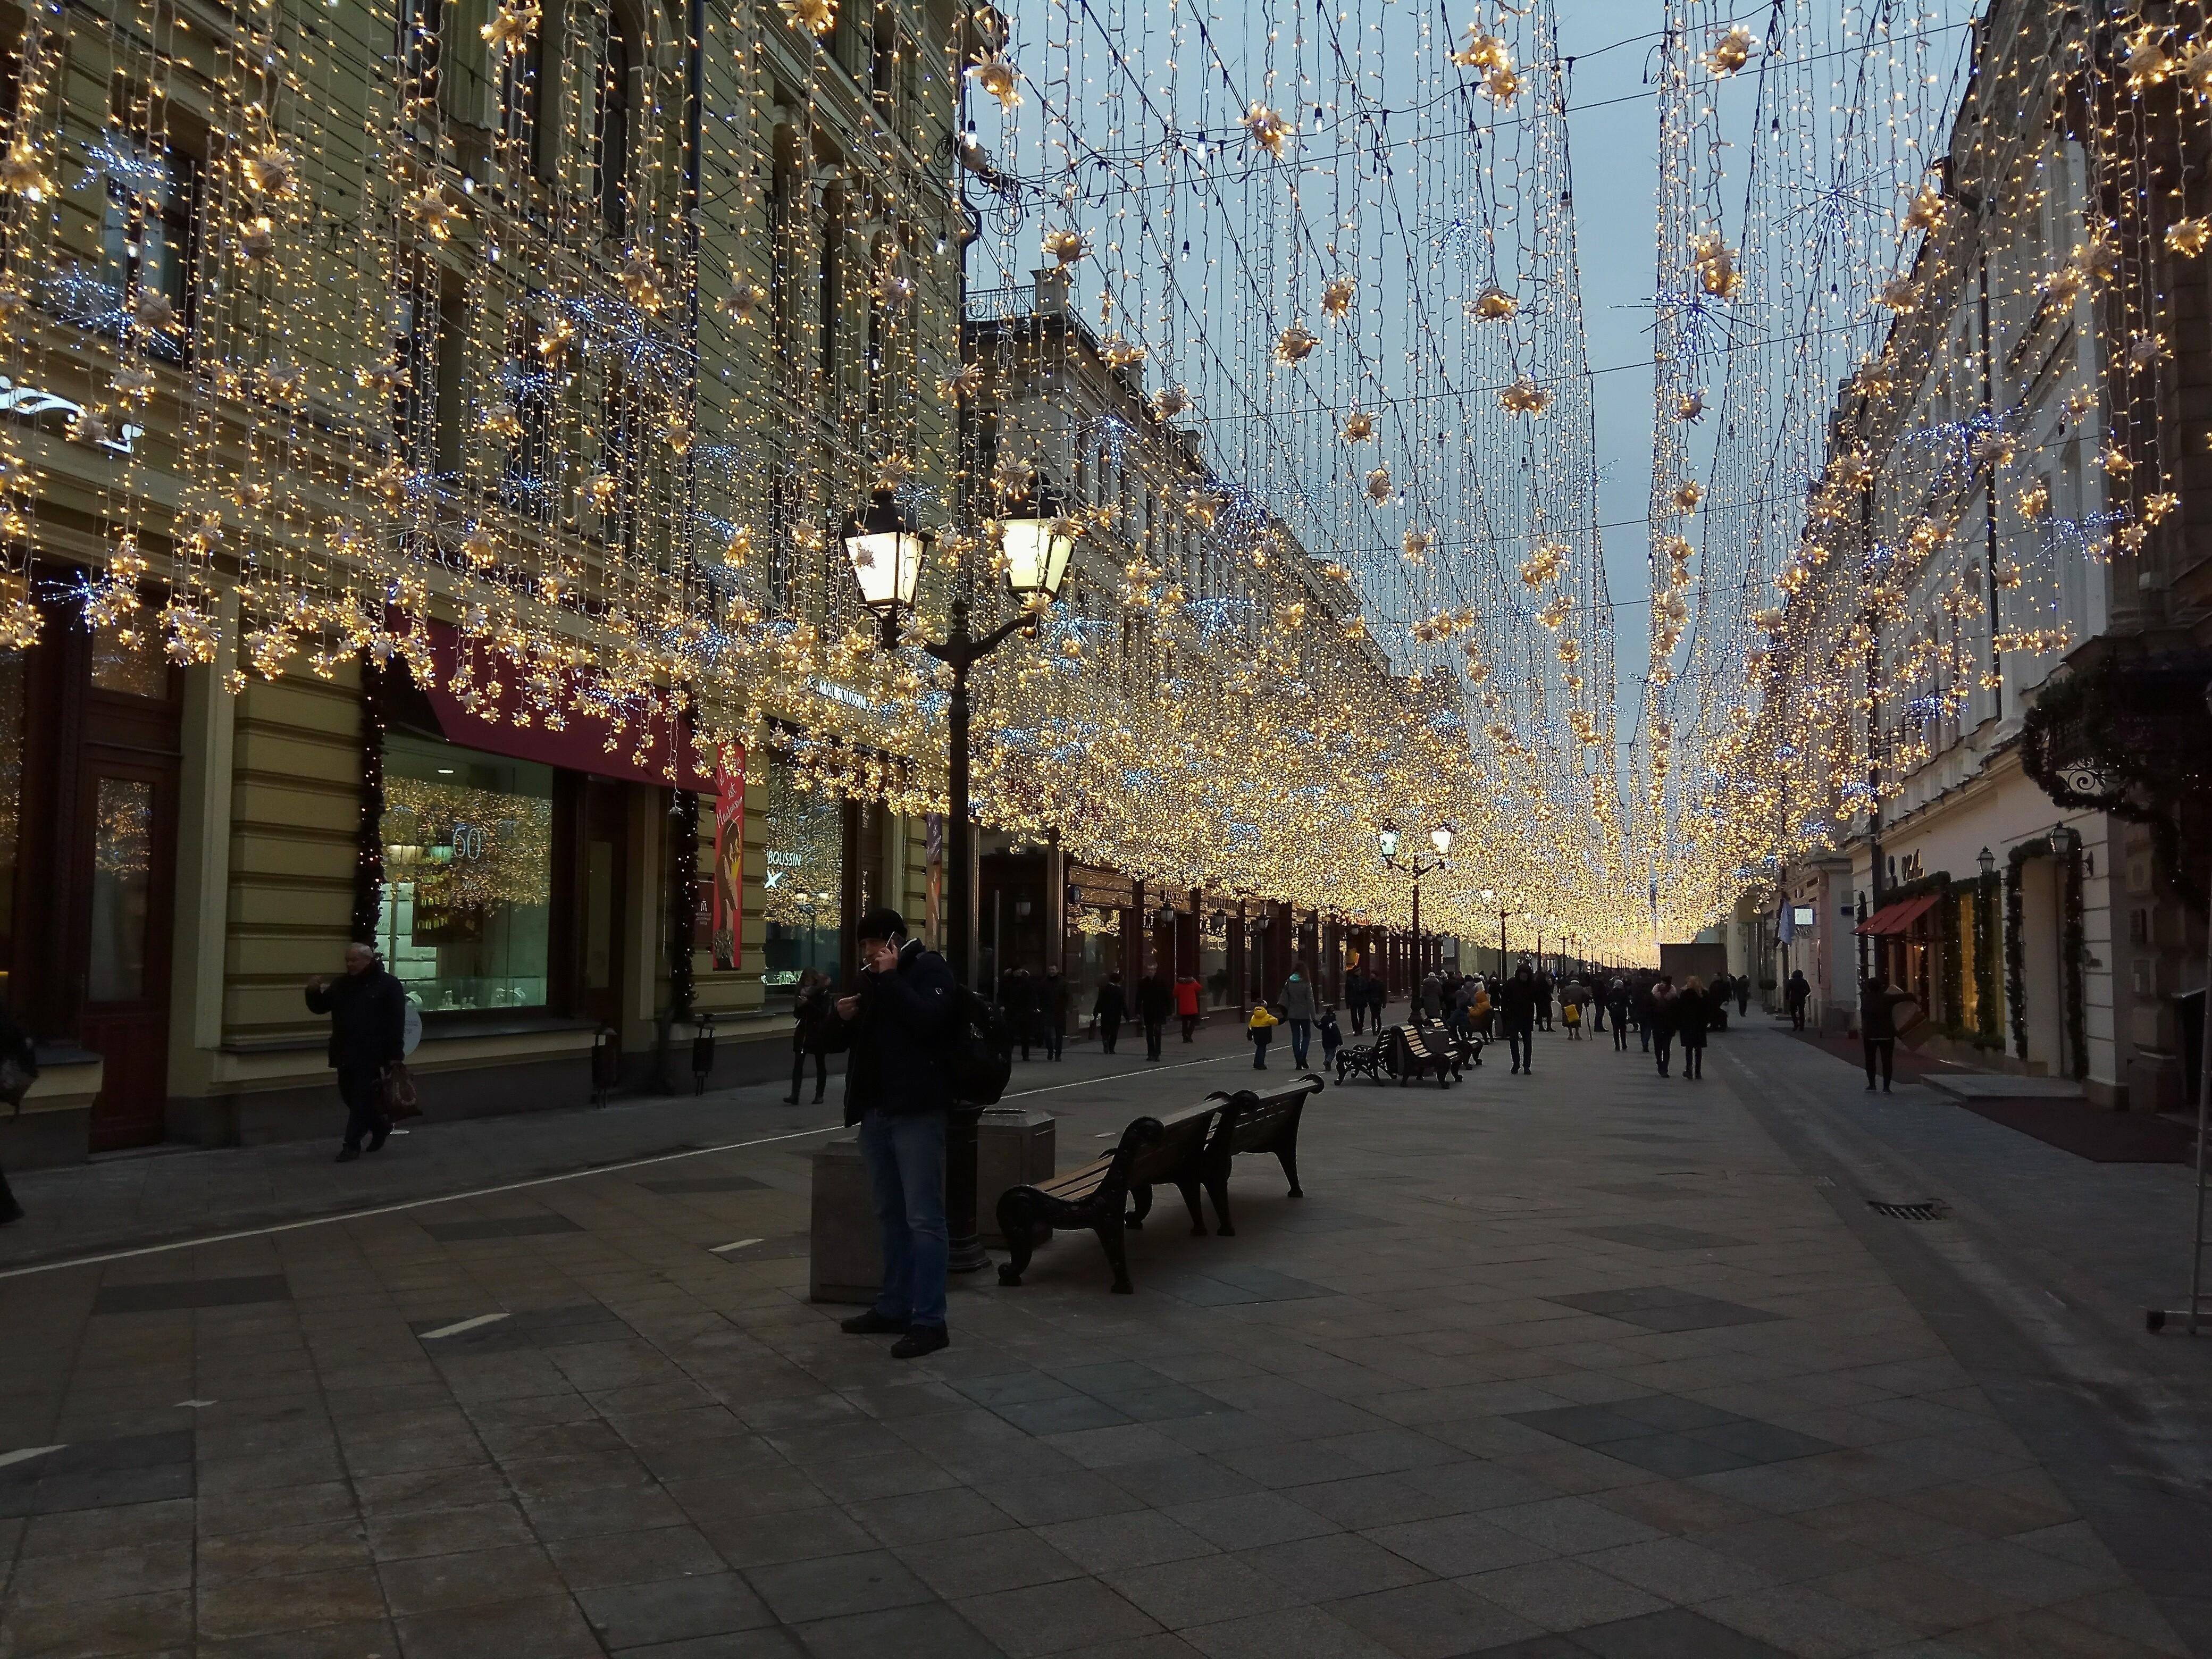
(1490, 896)
(1387, 838)
(885, 549)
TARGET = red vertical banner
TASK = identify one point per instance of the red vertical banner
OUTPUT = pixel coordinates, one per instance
(729, 860)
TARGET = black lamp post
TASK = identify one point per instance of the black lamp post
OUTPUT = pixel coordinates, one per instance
(885, 549)
(1490, 896)
(1440, 838)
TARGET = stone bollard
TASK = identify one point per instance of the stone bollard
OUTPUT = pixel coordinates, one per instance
(845, 1255)
(1014, 1147)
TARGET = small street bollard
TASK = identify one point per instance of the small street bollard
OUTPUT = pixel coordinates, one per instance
(703, 1051)
(607, 1063)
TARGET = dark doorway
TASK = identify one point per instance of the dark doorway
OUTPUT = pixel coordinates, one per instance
(595, 915)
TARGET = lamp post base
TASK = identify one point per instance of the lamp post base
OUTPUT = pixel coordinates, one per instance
(964, 1245)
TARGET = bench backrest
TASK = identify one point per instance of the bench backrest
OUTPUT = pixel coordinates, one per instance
(1178, 1140)
(1251, 1121)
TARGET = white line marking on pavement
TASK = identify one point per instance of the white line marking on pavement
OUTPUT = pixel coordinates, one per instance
(403, 1206)
(717, 1249)
(24, 1454)
(136, 1251)
(194, 1404)
(460, 1325)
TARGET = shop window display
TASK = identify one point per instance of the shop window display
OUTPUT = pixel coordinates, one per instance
(468, 842)
(802, 883)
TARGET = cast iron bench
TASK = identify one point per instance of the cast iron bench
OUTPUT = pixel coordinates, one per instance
(1153, 1152)
(1364, 1059)
(1414, 1055)
(1190, 1150)
(1250, 1122)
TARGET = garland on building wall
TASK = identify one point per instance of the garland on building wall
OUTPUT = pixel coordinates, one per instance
(1954, 1004)
(1988, 1033)
(682, 901)
(2074, 938)
(368, 835)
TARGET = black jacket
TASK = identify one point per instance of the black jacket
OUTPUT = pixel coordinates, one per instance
(1155, 998)
(1693, 1015)
(1052, 998)
(1516, 1004)
(368, 1020)
(1877, 1010)
(898, 1037)
(1111, 1003)
(808, 1016)
(1799, 990)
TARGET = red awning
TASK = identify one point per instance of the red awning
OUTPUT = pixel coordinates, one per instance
(1896, 918)
(581, 744)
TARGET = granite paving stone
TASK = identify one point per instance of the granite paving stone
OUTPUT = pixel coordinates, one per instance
(1473, 1396)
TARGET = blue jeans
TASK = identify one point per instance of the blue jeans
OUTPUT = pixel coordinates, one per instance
(1301, 1035)
(905, 1155)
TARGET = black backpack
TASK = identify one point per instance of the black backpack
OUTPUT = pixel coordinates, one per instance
(982, 1057)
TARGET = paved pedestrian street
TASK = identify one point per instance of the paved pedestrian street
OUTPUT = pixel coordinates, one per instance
(1587, 1363)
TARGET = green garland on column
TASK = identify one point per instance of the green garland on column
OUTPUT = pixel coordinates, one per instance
(1954, 1007)
(2015, 960)
(682, 901)
(368, 833)
(1989, 1032)
(2074, 939)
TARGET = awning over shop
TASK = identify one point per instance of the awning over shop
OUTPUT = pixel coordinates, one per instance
(581, 744)
(1897, 917)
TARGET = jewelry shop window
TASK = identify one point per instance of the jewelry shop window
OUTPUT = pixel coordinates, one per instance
(468, 875)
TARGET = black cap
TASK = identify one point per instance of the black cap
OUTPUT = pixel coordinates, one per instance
(883, 922)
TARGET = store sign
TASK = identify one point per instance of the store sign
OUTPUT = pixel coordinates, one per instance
(1108, 889)
(728, 937)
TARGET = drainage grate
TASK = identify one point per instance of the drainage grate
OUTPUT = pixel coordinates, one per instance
(1930, 1212)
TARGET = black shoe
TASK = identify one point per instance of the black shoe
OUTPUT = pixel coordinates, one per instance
(377, 1139)
(791, 1100)
(872, 1323)
(921, 1340)
(11, 1212)
(352, 1154)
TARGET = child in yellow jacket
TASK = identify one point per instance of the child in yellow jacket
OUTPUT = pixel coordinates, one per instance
(1261, 1028)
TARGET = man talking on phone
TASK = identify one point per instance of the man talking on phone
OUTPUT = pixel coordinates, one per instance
(898, 1026)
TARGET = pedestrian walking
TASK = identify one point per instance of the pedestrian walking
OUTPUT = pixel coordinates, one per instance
(1482, 1013)
(1662, 1021)
(19, 1070)
(1355, 996)
(1516, 1012)
(1332, 1036)
(1641, 1003)
(1795, 995)
(1297, 1001)
(808, 1031)
(1430, 1003)
(1108, 1010)
(1378, 997)
(1018, 1002)
(1261, 1028)
(1186, 1004)
(1155, 997)
(1597, 1005)
(1616, 1000)
(1878, 1026)
(1544, 991)
(1052, 1012)
(898, 1027)
(368, 1037)
(1742, 996)
(1693, 1012)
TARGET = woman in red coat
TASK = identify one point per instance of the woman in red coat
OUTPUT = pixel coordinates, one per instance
(1186, 1004)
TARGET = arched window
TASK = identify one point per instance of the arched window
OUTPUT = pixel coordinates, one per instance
(618, 96)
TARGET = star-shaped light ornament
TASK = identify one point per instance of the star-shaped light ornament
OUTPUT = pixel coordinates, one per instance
(1296, 343)
(1336, 298)
(1716, 262)
(1900, 294)
(998, 77)
(1689, 407)
(1524, 396)
(1170, 401)
(1728, 52)
(1378, 485)
(1010, 477)
(818, 17)
(1493, 305)
(1065, 248)
(1268, 127)
(1359, 427)
(512, 27)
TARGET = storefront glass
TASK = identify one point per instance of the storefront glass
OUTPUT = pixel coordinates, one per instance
(468, 873)
(1093, 950)
(803, 882)
(1214, 958)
